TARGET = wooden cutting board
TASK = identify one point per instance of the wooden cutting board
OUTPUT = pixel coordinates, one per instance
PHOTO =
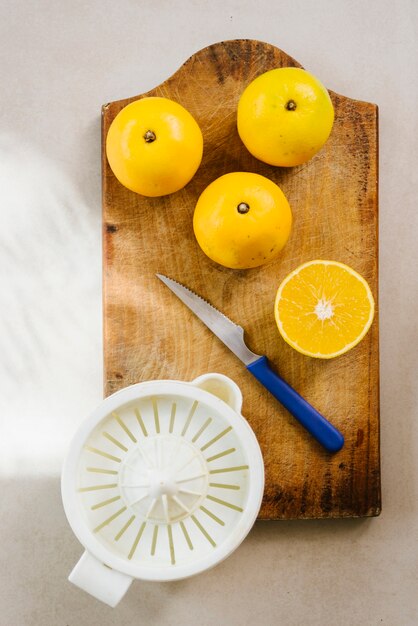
(149, 334)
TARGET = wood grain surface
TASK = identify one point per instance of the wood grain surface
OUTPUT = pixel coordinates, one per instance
(149, 334)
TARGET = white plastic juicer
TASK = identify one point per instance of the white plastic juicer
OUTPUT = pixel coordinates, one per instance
(164, 480)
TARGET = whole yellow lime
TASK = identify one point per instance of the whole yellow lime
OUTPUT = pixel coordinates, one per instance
(285, 116)
(242, 220)
(154, 146)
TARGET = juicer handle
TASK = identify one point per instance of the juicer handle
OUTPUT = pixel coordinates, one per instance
(99, 580)
(222, 387)
(323, 431)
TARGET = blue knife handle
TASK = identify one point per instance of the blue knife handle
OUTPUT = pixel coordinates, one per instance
(324, 432)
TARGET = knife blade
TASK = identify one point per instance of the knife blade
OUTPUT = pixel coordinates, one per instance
(232, 335)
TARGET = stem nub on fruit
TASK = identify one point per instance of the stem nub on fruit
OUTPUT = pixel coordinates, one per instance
(150, 136)
(290, 105)
(243, 207)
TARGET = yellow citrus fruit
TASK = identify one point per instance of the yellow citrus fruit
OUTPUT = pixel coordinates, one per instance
(154, 146)
(324, 308)
(242, 220)
(285, 116)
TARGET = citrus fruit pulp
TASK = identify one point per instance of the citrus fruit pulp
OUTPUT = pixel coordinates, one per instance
(154, 146)
(285, 116)
(324, 308)
(242, 220)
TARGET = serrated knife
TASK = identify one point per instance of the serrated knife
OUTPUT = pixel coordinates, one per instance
(232, 336)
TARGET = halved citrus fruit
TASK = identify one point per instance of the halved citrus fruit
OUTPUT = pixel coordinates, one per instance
(324, 308)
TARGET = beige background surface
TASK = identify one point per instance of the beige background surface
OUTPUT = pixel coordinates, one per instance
(60, 61)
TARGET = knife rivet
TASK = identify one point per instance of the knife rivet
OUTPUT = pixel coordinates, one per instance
(243, 207)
